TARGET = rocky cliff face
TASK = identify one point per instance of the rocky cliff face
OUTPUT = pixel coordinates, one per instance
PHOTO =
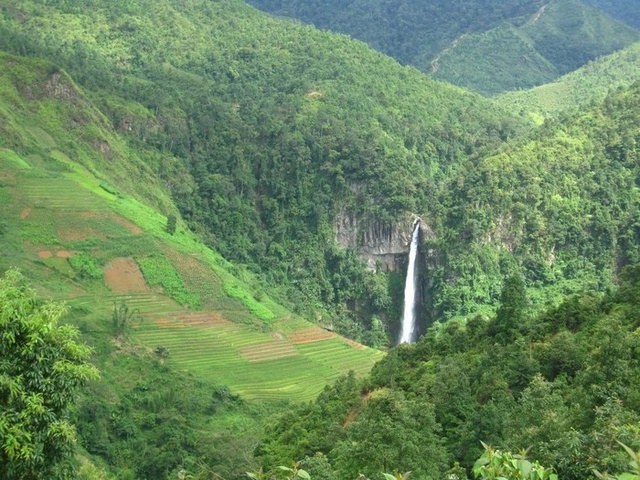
(383, 246)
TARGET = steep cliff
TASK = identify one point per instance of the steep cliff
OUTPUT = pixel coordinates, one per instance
(384, 246)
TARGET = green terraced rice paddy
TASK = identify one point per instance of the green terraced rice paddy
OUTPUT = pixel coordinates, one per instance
(226, 343)
(246, 360)
(336, 354)
(59, 194)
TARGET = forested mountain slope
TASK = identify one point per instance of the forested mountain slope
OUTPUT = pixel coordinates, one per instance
(573, 90)
(560, 37)
(562, 204)
(489, 47)
(624, 10)
(413, 32)
(263, 130)
(563, 385)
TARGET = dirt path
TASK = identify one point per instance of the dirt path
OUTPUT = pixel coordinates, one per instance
(538, 14)
(435, 63)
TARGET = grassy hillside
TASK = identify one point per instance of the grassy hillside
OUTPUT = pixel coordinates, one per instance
(81, 239)
(587, 84)
(559, 38)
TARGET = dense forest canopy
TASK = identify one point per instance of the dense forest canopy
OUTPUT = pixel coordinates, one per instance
(261, 135)
(489, 47)
(562, 384)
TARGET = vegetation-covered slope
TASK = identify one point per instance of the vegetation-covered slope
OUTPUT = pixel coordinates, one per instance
(622, 10)
(563, 384)
(489, 47)
(561, 37)
(581, 87)
(412, 32)
(149, 300)
(562, 204)
(263, 129)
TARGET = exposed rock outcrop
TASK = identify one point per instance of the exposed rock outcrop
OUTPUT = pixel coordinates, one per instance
(382, 245)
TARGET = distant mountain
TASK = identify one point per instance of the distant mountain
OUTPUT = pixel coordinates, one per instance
(491, 62)
(627, 11)
(414, 31)
(489, 47)
(560, 37)
(589, 83)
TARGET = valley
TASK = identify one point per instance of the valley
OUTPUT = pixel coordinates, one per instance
(225, 202)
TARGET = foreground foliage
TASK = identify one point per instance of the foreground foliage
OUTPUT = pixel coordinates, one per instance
(41, 369)
(563, 383)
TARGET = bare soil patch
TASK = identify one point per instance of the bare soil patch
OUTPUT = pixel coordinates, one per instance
(64, 254)
(123, 275)
(353, 414)
(45, 254)
(25, 213)
(123, 222)
(354, 344)
(308, 335)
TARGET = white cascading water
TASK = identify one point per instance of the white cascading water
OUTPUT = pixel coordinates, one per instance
(407, 334)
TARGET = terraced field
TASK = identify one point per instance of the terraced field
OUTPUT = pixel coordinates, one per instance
(277, 357)
(58, 194)
(258, 365)
(338, 354)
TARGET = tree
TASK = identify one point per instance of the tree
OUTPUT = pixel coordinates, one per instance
(513, 309)
(171, 224)
(392, 433)
(41, 369)
(495, 464)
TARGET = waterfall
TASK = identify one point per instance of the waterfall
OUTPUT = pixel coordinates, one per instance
(408, 332)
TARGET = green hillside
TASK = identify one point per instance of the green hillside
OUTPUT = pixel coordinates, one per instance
(562, 202)
(412, 32)
(488, 47)
(559, 38)
(176, 172)
(264, 130)
(78, 238)
(587, 84)
(622, 10)
(564, 383)
(569, 34)
(494, 61)
(75, 221)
